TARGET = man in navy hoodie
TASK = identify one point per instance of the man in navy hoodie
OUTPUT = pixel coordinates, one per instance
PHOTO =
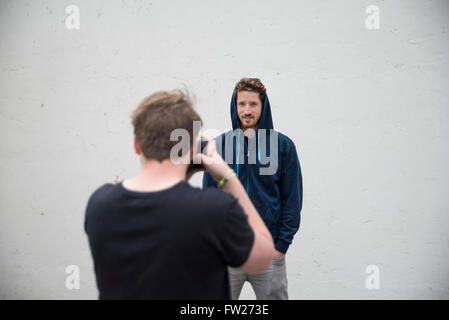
(273, 184)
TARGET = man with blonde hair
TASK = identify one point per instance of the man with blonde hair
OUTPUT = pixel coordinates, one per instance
(154, 236)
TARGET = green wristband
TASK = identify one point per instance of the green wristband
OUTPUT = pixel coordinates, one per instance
(222, 181)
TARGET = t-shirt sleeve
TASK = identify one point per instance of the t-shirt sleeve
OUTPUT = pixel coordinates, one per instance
(237, 235)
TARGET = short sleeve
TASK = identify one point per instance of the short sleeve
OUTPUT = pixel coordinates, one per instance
(237, 236)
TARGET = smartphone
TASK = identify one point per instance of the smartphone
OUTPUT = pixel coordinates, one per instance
(201, 148)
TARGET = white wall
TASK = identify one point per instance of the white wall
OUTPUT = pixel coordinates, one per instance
(367, 109)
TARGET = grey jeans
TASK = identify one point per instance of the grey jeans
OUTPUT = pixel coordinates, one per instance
(268, 285)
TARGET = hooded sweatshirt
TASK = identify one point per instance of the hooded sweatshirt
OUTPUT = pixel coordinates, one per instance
(278, 196)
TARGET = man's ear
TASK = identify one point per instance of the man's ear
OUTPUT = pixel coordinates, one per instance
(136, 146)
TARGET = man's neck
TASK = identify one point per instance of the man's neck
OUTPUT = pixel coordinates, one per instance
(156, 175)
(250, 133)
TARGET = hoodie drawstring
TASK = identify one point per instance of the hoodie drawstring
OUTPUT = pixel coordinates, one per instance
(238, 153)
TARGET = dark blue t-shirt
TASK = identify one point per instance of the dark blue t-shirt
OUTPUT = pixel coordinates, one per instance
(170, 244)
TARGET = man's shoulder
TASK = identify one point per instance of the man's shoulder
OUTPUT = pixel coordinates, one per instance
(215, 197)
(286, 144)
(285, 140)
(99, 194)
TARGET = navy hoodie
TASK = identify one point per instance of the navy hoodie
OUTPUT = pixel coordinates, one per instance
(278, 196)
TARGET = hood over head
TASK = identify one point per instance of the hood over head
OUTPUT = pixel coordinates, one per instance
(265, 121)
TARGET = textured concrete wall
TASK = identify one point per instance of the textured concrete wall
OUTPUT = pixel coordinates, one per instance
(367, 109)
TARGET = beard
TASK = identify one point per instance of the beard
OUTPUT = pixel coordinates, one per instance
(252, 123)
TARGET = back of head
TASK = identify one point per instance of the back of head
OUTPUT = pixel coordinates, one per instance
(157, 116)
